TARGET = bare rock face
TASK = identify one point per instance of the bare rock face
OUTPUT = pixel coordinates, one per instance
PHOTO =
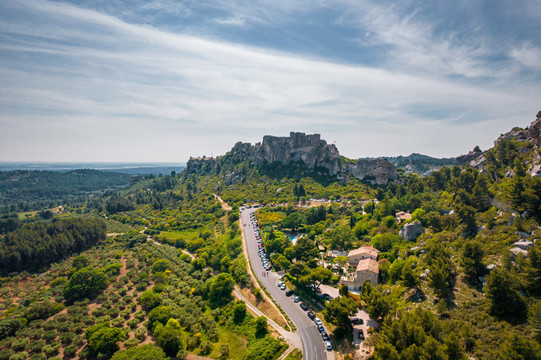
(309, 149)
(378, 171)
(411, 231)
(469, 157)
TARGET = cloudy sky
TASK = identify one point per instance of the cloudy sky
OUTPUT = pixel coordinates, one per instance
(142, 80)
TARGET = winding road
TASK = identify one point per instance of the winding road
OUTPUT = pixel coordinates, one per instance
(312, 342)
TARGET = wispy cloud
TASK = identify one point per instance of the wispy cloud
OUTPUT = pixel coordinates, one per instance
(86, 85)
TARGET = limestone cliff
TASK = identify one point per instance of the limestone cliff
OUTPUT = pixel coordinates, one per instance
(309, 151)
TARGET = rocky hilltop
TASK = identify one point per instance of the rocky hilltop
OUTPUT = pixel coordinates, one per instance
(309, 151)
(529, 137)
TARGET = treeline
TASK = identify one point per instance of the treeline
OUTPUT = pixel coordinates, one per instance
(24, 190)
(37, 245)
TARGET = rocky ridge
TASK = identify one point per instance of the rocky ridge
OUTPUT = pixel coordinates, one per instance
(310, 151)
(531, 134)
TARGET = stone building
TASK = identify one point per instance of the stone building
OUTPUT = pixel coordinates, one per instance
(364, 252)
(365, 262)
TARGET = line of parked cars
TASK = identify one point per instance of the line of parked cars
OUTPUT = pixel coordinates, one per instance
(310, 314)
(261, 248)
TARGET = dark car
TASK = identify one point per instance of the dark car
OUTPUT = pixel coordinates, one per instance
(361, 334)
(289, 292)
(325, 336)
(311, 315)
(321, 329)
(304, 307)
(357, 321)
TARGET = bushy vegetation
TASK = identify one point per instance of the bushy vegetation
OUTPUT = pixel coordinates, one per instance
(37, 245)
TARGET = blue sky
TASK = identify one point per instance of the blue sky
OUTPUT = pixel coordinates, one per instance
(131, 80)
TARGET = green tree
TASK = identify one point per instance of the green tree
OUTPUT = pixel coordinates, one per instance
(471, 260)
(408, 277)
(505, 302)
(149, 299)
(220, 288)
(280, 262)
(339, 310)
(299, 269)
(104, 339)
(438, 281)
(260, 326)
(534, 318)
(318, 276)
(169, 337)
(160, 266)
(341, 237)
(239, 312)
(519, 348)
(80, 262)
(143, 352)
(85, 283)
(305, 249)
(158, 315)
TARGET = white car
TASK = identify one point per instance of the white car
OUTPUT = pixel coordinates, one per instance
(296, 299)
(283, 287)
(328, 345)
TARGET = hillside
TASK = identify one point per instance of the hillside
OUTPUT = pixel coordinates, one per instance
(420, 164)
(297, 154)
(24, 190)
(521, 144)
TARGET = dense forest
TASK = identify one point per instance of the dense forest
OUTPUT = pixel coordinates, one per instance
(39, 244)
(23, 190)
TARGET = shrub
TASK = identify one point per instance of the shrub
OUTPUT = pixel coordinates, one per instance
(6, 354)
(51, 350)
(71, 350)
(20, 344)
(131, 343)
(19, 356)
(206, 347)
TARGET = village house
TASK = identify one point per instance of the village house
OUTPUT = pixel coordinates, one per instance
(364, 252)
(402, 216)
(365, 262)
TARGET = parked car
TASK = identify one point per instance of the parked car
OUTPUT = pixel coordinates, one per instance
(311, 315)
(357, 321)
(303, 306)
(289, 292)
(280, 283)
(296, 299)
(283, 287)
(361, 334)
(328, 345)
(325, 336)
(321, 329)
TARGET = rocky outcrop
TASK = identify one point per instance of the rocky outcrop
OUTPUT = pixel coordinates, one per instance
(411, 231)
(531, 134)
(469, 157)
(378, 171)
(298, 147)
(308, 151)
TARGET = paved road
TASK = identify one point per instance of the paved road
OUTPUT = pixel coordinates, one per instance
(312, 342)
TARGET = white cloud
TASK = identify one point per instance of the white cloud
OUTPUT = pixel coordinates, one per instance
(527, 55)
(94, 87)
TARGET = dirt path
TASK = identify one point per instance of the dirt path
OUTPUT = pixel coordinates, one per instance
(225, 205)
